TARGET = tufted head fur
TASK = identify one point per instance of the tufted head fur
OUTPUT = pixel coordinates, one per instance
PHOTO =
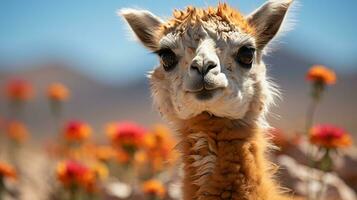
(210, 60)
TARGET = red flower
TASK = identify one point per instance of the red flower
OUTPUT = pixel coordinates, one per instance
(329, 136)
(71, 172)
(77, 131)
(19, 90)
(74, 174)
(127, 134)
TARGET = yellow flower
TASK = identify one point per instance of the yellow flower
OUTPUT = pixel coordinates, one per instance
(321, 74)
(100, 170)
(58, 92)
(7, 171)
(154, 188)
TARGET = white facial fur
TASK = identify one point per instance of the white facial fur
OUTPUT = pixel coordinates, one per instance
(234, 83)
(230, 90)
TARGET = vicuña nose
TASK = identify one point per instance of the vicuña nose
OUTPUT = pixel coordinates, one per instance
(204, 68)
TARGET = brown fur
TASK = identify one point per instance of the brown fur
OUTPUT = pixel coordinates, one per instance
(224, 159)
(223, 12)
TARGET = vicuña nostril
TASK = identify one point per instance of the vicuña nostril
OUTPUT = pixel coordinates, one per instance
(195, 68)
(209, 67)
(201, 69)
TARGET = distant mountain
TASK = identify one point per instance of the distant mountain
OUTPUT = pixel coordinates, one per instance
(98, 103)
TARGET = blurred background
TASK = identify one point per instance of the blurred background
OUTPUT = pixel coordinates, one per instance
(85, 45)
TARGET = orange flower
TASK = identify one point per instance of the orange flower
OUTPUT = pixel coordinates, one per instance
(104, 153)
(96, 173)
(160, 137)
(17, 131)
(7, 171)
(141, 157)
(58, 92)
(77, 131)
(19, 90)
(159, 146)
(321, 74)
(154, 188)
(125, 134)
(329, 136)
(122, 156)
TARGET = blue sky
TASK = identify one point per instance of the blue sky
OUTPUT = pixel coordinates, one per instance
(89, 35)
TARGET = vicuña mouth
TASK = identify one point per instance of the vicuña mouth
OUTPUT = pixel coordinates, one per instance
(205, 94)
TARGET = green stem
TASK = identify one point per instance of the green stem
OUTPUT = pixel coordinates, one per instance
(316, 94)
(74, 193)
(92, 196)
(310, 114)
(325, 166)
(56, 110)
(2, 188)
(153, 197)
(2, 143)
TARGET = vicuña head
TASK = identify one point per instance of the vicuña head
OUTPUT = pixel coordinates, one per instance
(211, 83)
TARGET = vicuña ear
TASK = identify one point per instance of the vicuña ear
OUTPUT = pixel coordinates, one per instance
(144, 24)
(267, 20)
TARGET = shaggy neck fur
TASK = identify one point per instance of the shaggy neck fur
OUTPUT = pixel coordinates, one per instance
(224, 159)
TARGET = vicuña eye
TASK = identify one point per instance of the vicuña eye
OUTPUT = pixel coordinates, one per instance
(245, 56)
(168, 59)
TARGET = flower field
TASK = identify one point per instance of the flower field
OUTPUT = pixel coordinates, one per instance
(127, 160)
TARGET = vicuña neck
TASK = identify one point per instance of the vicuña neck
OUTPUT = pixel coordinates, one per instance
(224, 159)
